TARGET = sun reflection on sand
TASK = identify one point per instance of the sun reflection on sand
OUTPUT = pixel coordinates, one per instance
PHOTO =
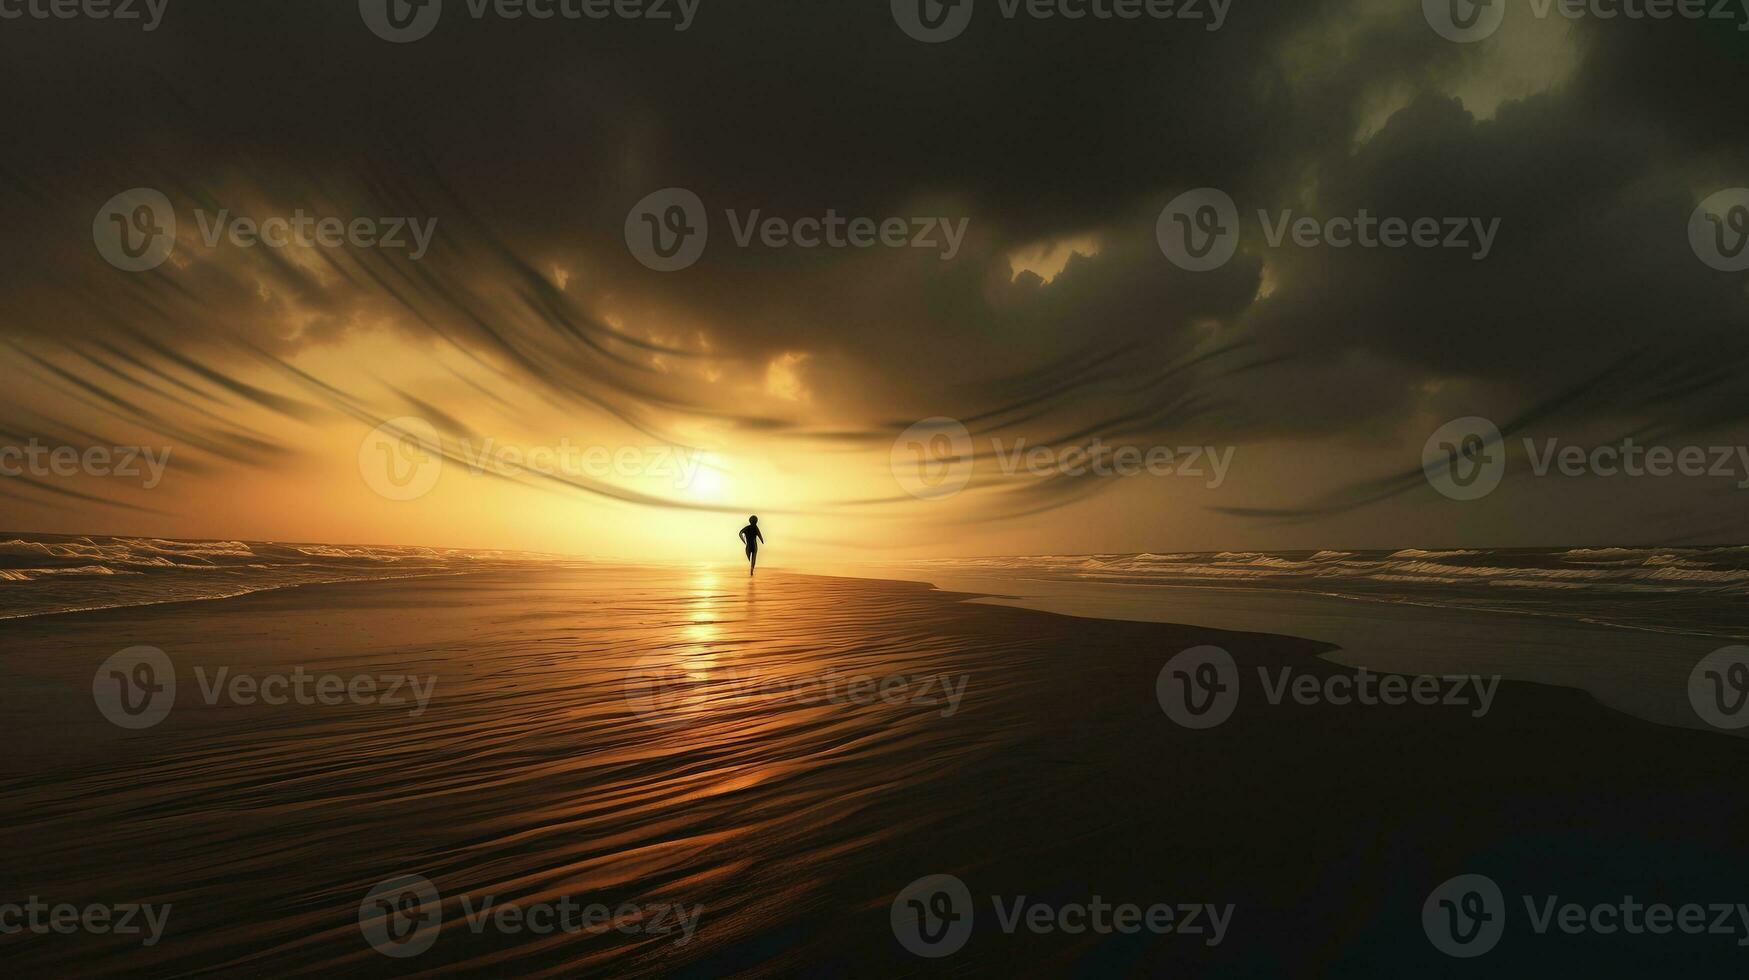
(704, 610)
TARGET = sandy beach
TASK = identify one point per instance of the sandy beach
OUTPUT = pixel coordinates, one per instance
(746, 774)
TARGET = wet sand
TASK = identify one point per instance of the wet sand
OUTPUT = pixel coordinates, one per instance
(1638, 671)
(654, 737)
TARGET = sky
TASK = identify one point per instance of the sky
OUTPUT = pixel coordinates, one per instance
(578, 291)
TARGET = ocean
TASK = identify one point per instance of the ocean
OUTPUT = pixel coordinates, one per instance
(43, 574)
(1693, 591)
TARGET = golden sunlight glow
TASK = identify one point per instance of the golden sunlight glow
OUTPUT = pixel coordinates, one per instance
(784, 380)
(710, 483)
(1047, 259)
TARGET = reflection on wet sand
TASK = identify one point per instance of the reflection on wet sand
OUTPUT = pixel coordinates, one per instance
(624, 734)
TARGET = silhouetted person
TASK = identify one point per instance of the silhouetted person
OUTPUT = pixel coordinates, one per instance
(751, 537)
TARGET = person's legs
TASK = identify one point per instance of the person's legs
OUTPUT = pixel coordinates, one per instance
(752, 560)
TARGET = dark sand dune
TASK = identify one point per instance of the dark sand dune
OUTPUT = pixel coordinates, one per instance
(547, 765)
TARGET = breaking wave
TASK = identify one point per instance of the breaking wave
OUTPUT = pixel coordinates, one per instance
(1685, 590)
(46, 574)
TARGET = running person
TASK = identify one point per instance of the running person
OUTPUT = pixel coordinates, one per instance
(751, 537)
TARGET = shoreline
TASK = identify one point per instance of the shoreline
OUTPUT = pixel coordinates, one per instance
(924, 572)
(1640, 673)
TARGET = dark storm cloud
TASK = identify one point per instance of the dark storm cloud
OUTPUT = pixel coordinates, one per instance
(529, 141)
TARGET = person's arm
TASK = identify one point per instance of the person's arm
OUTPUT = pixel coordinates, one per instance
(742, 534)
(761, 535)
